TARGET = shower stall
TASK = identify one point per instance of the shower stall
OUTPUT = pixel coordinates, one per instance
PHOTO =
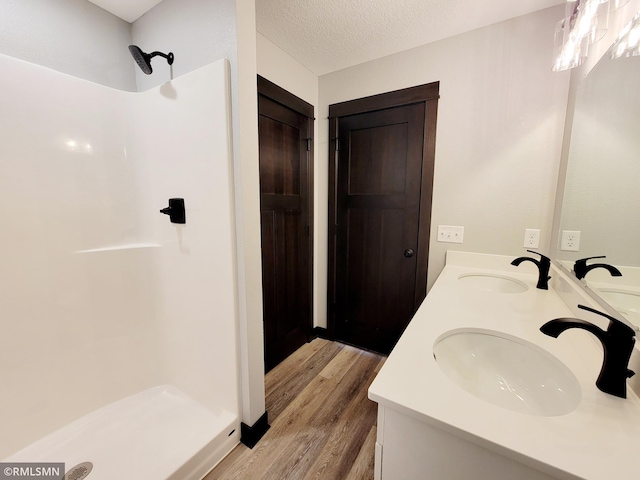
(119, 328)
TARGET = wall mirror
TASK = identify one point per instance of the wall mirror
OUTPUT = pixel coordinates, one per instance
(601, 197)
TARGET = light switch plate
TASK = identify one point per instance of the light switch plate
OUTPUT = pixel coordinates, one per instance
(450, 234)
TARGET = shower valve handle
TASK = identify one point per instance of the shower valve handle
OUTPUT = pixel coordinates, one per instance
(175, 210)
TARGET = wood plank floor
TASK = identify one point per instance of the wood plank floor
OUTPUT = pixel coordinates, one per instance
(322, 423)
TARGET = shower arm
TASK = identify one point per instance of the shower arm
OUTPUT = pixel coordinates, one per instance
(169, 57)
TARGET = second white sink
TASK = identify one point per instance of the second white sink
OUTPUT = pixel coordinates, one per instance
(490, 282)
(626, 302)
(507, 371)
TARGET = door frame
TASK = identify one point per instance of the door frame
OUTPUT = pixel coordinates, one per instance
(427, 94)
(279, 95)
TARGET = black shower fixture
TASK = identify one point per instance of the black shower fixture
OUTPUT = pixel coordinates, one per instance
(144, 59)
(175, 210)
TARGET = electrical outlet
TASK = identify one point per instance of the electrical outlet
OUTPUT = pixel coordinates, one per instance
(570, 241)
(450, 234)
(532, 238)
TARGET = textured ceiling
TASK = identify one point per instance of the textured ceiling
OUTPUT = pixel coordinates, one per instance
(328, 35)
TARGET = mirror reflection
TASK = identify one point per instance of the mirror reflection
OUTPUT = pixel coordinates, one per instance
(601, 204)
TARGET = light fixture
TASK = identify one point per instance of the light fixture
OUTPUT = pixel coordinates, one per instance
(584, 23)
(569, 50)
(615, 4)
(628, 42)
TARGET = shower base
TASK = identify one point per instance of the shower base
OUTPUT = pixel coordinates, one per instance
(157, 434)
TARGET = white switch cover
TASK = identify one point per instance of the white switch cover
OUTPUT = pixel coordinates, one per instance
(450, 234)
(570, 241)
(532, 238)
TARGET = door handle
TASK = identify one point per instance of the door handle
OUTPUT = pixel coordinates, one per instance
(408, 253)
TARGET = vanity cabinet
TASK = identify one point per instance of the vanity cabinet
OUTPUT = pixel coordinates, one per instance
(410, 449)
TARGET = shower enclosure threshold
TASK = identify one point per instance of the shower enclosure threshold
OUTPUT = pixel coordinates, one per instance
(157, 434)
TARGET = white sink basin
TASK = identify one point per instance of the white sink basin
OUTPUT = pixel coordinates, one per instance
(507, 371)
(490, 282)
(627, 303)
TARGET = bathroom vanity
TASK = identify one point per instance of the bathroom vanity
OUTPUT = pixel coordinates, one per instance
(436, 425)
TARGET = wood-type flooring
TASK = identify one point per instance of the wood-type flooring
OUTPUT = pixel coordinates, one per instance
(322, 423)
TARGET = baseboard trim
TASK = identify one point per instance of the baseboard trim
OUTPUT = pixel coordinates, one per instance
(320, 332)
(250, 435)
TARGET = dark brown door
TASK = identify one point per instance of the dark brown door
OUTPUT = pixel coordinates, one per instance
(380, 248)
(284, 138)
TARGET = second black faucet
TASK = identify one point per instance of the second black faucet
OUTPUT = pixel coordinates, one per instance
(543, 268)
(580, 268)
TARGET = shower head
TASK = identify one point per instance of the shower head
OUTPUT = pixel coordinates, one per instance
(144, 59)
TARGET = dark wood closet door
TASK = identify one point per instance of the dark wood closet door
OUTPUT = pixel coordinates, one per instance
(284, 208)
(381, 181)
(380, 166)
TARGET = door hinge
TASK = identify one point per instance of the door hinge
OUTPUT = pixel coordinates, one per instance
(308, 144)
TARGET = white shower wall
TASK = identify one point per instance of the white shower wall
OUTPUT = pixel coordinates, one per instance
(183, 144)
(84, 167)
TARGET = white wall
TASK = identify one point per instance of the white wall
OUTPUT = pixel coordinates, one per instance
(499, 133)
(88, 168)
(247, 196)
(282, 69)
(71, 36)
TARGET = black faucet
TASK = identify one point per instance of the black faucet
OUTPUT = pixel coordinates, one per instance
(543, 268)
(580, 268)
(617, 342)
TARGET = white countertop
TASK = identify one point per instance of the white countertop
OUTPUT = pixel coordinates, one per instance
(600, 439)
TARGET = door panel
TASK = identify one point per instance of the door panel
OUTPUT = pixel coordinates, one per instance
(377, 234)
(269, 275)
(279, 158)
(378, 168)
(378, 215)
(284, 206)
